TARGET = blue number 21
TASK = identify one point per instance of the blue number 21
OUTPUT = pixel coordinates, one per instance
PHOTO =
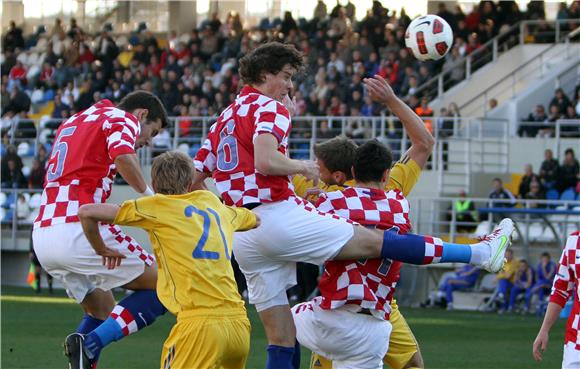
(199, 252)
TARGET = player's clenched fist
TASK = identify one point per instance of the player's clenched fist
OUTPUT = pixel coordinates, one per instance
(311, 170)
(379, 89)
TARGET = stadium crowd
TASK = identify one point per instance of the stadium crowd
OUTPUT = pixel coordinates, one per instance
(195, 74)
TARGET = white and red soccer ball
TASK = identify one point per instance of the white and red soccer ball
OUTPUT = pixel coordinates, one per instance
(429, 37)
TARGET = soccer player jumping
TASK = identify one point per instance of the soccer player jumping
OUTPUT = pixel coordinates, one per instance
(245, 152)
(89, 149)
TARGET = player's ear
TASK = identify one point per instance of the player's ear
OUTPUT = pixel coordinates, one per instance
(386, 174)
(141, 115)
(191, 187)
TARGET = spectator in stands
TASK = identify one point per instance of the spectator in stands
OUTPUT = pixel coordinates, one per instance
(22, 207)
(505, 280)
(17, 76)
(492, 104)
(320, 11)
(537, 116)
(465, 277)
(569, 173)
(36, 176)
(13, 39)
(465, 212)
(42, 155)
(11, 154)
(549, 170)
(527, 179)
(424, 110)
(500, 193)
(545, 272)
(535, 193)
(60, 107)
(561, 101)
(455, 65)
(13, 177)
(524, 279)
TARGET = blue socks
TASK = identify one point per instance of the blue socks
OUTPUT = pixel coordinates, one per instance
(296, 357)
(455, 253)
(132, 314)
(88, 324)
(420, 250)
(280, 357)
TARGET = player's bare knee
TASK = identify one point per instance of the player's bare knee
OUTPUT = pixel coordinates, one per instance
(146, 281)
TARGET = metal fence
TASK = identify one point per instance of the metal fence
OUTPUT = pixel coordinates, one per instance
(555, 31)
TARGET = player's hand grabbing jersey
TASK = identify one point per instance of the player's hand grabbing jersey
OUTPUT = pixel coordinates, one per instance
(368, 283)
(566, 284)
(228, 151)
(192, 237)
(81, 166)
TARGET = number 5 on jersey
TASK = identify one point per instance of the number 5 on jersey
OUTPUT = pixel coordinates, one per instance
(60, 149)
(198, 251)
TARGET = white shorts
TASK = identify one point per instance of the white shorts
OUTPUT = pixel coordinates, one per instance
(571, 358)
(289, 232)
(66, 254)
(351, 340)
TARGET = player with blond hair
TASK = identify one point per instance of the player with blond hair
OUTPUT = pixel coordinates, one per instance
(191, 234)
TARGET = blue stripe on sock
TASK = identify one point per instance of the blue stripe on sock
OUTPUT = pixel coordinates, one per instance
(409, 248)
(455, 253)
(279, 357)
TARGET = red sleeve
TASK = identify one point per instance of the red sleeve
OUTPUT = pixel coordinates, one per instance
(565, 279)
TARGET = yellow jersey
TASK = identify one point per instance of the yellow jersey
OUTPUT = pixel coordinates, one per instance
(404, 176)
(509, 271)
(192, 237)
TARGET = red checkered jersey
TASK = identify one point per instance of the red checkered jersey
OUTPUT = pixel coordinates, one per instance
(567, 284)
(228, 151)
(368, 283)
(81, 167)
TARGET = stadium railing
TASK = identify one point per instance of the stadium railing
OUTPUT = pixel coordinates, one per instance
(529, 31)
(16, 228)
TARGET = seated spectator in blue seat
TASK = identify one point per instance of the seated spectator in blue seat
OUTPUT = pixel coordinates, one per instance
(523, 280)
(505, 279)
(569, 171)
(549, 170)
(535, 193)
(545, 272)
(465, 277)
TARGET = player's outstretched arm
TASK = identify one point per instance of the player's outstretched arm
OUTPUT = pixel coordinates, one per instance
(90, 215)
(128, 166)
(541, 341)
(422, 141)
(269, 161)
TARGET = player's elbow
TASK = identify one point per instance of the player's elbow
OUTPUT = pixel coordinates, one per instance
(86, 212)
(263, 164)
(426, 144)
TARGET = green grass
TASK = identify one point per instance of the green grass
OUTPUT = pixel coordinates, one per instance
(33, 331)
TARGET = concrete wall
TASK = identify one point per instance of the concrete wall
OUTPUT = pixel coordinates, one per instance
(488, 76)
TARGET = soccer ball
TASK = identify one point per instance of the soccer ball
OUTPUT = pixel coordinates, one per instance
(429, 37)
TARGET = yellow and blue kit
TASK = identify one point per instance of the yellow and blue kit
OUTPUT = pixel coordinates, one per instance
(192, 236)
